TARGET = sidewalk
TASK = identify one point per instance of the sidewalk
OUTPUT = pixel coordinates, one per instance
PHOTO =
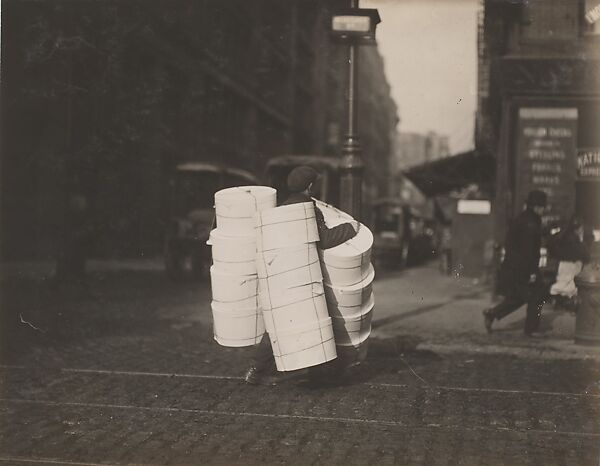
(445, 313)
(439, 312)
(45, 269)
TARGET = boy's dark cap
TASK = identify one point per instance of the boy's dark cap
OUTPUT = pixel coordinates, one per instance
(300, 177)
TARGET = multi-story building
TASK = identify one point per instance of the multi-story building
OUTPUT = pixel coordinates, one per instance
(539, 105)
(410, 149)
(436, 146)
(110, 96)
(416, 148)
(378, 119)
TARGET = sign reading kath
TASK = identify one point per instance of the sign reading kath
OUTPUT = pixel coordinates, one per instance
(588, 164)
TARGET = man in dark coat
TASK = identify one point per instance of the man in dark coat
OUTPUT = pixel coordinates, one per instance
(519, 273)
(299, 182)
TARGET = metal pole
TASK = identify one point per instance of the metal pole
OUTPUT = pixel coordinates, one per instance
(351, 166)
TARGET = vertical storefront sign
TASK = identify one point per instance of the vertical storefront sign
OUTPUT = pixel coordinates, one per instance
(546, 158)
(588, 164)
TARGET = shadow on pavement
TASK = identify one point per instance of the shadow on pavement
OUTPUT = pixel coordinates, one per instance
(405, 315)
(385, 356)
(38, 312)
(546, 324)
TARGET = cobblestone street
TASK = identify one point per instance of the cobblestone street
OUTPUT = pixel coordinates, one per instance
(393, 202)
(127, 373)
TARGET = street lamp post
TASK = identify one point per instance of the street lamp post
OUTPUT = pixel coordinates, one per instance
(353, 27)
(351, 166)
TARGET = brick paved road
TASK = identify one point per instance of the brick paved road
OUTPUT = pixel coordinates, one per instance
(127, 377)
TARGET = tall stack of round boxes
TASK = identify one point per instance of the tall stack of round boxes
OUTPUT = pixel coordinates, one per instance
(291, 292)
(348, 276)
(236, 312)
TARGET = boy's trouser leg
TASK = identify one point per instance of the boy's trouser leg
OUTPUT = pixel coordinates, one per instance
(263, 356)
(507, 306)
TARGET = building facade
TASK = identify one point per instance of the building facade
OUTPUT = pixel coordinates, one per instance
(107, 97)
(416, 148)
(539, 106)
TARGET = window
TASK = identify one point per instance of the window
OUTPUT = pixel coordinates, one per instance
(551, 20)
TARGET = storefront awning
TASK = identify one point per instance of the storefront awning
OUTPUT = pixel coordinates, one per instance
(445, 175)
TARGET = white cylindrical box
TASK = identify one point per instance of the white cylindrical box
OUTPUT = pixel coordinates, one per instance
(349, 300)
(237, 327)
(279, 261)
(236, 207)
(304, 275)
(274, 298)
(286, 226)
(349, 262)
(233, 254)
(352, 330)
(304, 346)
(295, 314)
(236, 290)
(344, 265)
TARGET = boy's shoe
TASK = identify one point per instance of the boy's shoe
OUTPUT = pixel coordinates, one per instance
(254, 377)
(251, 375)
(488, 320)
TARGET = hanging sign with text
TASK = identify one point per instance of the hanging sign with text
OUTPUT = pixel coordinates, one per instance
(588, 164)
(546, 158)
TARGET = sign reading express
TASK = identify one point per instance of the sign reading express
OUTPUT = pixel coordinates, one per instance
(546, 158)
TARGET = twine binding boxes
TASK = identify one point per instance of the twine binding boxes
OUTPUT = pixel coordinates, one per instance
(235, 208)
(233, 254)
(286, 226)
(291, 290)
(236, 313)
(348, 277)
(268, 274)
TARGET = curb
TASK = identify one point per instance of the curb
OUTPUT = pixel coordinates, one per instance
(560, 349)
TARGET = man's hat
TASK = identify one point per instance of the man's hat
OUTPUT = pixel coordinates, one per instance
(300, 177)
(537, 198)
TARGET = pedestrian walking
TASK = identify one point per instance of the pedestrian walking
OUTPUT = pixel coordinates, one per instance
(299, 182)
(520, 278)
(571, 252)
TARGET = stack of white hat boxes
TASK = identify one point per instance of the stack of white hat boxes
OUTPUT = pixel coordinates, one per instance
(291, 291)
(237, 318)
(348, 277)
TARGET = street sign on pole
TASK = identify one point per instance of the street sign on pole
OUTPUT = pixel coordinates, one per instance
(353, 27)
